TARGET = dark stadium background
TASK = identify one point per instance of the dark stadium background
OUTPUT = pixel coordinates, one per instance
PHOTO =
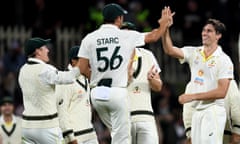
(45, 17)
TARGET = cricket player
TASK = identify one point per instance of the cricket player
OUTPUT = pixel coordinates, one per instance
(74, 107)
(10, 130)
(211, 72)
(144, 77)
(232, 130)
(37, 80)
(104, 57)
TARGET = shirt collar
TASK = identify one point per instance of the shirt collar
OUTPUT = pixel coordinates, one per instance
(109, 26)
(36, 60)
(216, 53)
(13, 119)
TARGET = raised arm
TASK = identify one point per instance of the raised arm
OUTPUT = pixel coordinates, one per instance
(168, 47)
(164, 21)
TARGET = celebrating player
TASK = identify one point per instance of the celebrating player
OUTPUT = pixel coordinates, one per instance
(75, 109)
(104, 57)
(37, 80)
(144, 77)
(211, 72)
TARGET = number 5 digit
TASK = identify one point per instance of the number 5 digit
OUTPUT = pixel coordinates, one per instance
(102, 58)
(115, 57)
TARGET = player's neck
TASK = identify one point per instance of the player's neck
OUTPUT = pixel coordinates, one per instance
(209, 49)
(8, 118)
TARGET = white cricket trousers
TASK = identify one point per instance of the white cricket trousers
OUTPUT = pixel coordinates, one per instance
(112, 106)
(144, 133)
(42, 136)
(208, 125)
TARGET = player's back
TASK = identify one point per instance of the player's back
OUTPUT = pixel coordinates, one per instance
(109, 51)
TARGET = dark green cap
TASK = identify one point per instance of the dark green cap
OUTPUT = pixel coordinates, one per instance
(6, 99)
(73, 52)
(34, 43)
(112, 11)
(128, 25)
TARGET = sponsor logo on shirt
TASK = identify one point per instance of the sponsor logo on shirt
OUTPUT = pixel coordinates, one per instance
(80, 94)
(199, 80)
(200, 73)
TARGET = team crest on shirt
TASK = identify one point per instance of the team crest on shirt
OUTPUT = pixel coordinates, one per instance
(212, 63)
(80, 93)
(199, 80)
(136, 89)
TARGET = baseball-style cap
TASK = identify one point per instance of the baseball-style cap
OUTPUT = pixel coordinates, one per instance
(6, 99)
(73, 52)
(34, 43)
(112, 10)
(128, 25)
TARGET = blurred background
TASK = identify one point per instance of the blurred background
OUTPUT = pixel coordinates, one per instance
(67, 22)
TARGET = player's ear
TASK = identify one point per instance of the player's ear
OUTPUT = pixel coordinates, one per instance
(219, 36)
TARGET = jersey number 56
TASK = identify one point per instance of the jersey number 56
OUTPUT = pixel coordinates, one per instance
(113, 62)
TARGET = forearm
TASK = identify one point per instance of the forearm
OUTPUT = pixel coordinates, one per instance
(217, 93)
(168, 47)
(167, 42)
(155, 34)
(210, 95)
(155, 84)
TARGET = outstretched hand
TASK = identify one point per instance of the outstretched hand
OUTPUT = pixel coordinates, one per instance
(167, 17)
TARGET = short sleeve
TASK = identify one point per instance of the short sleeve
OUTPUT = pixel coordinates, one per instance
(155, 63)
(84, 49)
(137, 38)
(226, 69)
(140, 39)
(187, 52)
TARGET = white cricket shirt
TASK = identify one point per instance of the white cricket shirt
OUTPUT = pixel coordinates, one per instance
(205, 72)
(109, 50)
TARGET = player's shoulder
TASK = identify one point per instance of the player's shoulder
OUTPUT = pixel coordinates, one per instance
(49, 66)
(18, 118)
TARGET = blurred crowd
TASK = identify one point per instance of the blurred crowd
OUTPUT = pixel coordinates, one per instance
(44, 16)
